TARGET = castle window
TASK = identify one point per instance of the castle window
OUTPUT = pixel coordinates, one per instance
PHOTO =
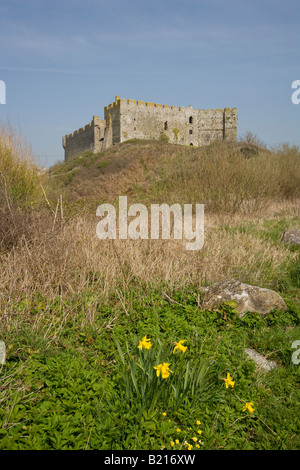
(191, 145)
(191, 120)
(166, 126)
(191, 131)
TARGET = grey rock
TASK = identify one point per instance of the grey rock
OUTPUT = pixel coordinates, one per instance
(247, 298)
(291, 236)
(260, 360)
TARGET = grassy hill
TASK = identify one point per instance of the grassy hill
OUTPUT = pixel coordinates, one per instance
(234, 177)
(74, 308)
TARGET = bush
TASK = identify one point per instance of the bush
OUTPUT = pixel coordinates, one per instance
(19, 186)
(164, 138)
(220, 177)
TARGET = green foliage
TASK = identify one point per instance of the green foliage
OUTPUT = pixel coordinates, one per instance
(102, 164)
(67, 386)
(186, 380)
(176, 132)
(164, 138)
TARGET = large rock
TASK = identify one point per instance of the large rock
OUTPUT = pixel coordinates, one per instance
(291, 236)
(247, 298)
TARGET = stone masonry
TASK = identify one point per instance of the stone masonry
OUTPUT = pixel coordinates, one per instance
(130, 119)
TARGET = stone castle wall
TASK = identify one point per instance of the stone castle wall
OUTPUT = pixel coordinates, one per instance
(130, 119)
(87, 138)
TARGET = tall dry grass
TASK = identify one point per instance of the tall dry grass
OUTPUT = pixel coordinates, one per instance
(71, 260)
(19, 187)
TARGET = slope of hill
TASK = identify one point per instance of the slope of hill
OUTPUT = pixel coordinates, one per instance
(227, 178)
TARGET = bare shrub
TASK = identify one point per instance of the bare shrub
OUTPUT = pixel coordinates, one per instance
(225, 181)
(19, 187)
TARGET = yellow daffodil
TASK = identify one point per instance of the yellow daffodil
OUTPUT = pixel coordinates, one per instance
(179, 346)
(248, 406)
(163, 369)
(197, 445)
(199, 432)
(229, 381)
(164, 414)
(145, 343)
(177, 441)
(194, 439)
(190, 446)
(178, 430)
(198, 422)
(172, 443)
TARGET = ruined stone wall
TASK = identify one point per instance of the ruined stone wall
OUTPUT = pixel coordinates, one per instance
(87, 138)
(130, 119)
(230, 124)
(145, 120)
(112, 118)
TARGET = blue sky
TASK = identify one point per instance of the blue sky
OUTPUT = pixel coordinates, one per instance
(63, 61)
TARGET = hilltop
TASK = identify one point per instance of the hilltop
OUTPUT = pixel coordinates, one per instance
(227, 177)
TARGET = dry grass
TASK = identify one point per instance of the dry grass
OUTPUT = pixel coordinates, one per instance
(57, 256)
(71, 260)
(19, 188)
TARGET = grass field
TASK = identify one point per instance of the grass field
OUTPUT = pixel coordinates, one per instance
(75, 308)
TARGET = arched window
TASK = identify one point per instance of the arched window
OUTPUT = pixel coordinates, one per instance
(191, 120)
(166, 126)
(191, 145)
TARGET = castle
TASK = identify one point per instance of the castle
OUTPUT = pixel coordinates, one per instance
(130, 119)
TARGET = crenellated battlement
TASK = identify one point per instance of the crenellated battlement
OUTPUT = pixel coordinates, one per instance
(128, 119)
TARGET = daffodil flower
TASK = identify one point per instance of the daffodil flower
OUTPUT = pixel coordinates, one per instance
(163, 369)
(179, 346)
(248, 406)
(229, 381)
(144, 343)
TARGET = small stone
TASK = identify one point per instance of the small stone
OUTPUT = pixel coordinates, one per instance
(261, 360)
